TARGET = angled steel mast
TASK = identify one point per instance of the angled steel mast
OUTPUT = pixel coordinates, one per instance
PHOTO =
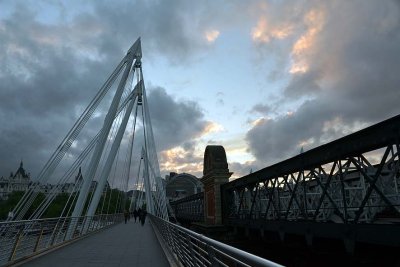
(155, 193)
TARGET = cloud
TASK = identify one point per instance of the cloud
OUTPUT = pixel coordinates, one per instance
(257, 122)
(51, 67)
(241, 169)
(264, 33)
(179, 159)
(340, 60)
(179, 127)
(303, 46)
(351, 51)
(211, 35)
(41, 87)
(261, 108)
(212, 127)
(175, 122)
(305, 83)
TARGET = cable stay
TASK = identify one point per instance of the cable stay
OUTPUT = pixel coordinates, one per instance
(98, 169)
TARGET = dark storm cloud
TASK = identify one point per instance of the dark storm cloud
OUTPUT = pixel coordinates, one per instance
(49, 71)
(174, 122)
(40, 87)
(164, 26)
(352, 79)
(261, 108)
(242, 169)
(305, 84)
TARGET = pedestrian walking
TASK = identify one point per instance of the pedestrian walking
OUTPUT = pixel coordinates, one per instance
(142, 217)
(126, 215)
(135, 214)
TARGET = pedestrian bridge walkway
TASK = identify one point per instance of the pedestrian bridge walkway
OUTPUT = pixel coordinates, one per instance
(128, 244)
(106, 241)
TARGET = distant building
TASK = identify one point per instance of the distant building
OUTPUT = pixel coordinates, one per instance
(182, 185)
(20, 181)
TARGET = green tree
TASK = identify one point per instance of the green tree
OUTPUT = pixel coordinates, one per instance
(10, 203)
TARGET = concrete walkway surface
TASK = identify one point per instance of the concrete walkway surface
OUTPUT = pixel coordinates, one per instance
(128, 244)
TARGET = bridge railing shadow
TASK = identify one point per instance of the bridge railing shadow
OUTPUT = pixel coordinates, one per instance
(193, 249)
(23, 239)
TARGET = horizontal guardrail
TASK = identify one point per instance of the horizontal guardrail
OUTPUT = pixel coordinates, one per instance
(20, 240)
(190, 208)
(193, 249)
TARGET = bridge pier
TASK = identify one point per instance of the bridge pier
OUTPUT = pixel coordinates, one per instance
(215, 174)
(247, 232)
(262, 233)
(349, 241)
(281, 233)
(309, 238)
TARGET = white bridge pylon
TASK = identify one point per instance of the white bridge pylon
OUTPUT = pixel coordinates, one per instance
(155, 195)
(100, 157)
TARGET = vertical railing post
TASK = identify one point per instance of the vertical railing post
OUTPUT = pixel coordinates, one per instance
(91, 223)
(15, 246)
(95, 222)
(83, 227)
(38, 239)
(211, 256)
(101, 221)
(77, 219)
(98, 222)
(66, 227)
(54, 233)
(191, 250)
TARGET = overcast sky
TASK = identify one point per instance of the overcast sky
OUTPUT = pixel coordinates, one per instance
(261, 78)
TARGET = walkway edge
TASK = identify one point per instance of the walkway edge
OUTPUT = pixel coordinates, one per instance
(47, 251)
(172, 259)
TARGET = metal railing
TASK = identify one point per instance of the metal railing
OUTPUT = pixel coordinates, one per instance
(22, 239)
(190, 208)
(193, 249)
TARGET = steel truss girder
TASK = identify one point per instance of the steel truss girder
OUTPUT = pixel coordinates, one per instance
(343, 186)
(190, 208)
(316, 195)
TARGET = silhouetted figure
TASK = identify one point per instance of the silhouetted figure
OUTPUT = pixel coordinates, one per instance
(135, 214)
(142, 216)
(126, 215)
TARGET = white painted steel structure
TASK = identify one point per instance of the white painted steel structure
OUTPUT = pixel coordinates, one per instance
(99, 159)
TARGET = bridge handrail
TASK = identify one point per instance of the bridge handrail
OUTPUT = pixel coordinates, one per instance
(189, 208)
(20, 240)
(46, 219)
(188, 198)
(193, 249)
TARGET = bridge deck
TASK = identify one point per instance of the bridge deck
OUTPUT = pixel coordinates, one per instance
(122, 245)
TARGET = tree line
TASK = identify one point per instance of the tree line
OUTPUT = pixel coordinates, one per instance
(112, 201)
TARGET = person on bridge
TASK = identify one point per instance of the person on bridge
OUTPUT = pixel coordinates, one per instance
(135, 214)
(142, 216)
(126, 215)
